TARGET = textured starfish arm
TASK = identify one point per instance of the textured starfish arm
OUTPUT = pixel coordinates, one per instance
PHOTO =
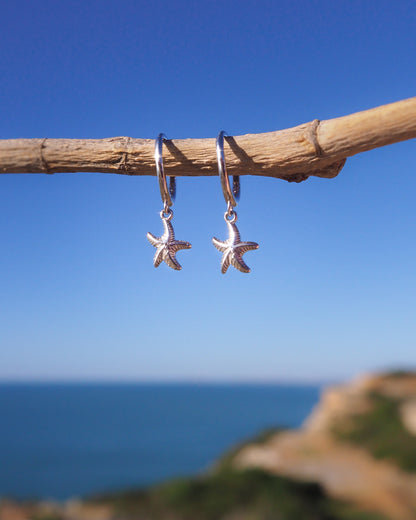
(153, 240)
(169, 231)
(221, 246)
(180, 244)
(243, 247)
(233, 232)
(225, 262)
(238, 263)
(158, 258)
(172, 262)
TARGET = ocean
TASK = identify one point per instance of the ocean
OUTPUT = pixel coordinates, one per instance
(69, 440)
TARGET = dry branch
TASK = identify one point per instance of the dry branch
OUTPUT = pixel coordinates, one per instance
(317, 148)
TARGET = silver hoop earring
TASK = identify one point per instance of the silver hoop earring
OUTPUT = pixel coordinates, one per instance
(232, 249)
(166, 245)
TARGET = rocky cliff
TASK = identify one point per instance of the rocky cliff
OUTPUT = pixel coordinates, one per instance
(359, 443)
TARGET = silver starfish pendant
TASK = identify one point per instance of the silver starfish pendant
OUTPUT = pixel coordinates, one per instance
(166, 246)
(233, 249)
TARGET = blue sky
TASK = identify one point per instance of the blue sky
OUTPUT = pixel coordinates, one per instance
(332, 288)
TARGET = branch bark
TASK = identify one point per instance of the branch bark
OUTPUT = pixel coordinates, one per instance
(317, 148)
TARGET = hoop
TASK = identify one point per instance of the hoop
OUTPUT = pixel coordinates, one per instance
(229, 196)
(168, 195)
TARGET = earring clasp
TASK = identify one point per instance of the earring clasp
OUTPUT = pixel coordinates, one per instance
(230, 196)
(168, 195)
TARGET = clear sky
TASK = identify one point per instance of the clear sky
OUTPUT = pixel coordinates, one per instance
(332, 292)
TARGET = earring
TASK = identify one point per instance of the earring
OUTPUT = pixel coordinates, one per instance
(232, 249)
(166, 245)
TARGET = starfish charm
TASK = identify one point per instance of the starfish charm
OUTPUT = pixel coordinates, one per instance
(233, 249)
(167, 247)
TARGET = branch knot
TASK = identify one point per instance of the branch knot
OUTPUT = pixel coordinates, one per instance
(313, 136)
(43, 162)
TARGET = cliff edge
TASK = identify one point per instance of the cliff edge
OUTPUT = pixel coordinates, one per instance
(359, 443)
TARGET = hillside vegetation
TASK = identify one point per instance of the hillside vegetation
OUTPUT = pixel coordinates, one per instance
(381, 431)
(228, 494)
(359, 444)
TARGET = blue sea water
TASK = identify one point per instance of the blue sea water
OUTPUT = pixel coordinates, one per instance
(64, 440)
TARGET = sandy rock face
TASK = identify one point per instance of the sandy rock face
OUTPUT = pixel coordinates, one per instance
(401, 386)
(336, 403)
(408, 415)
(346, 471)
(70, 510)
(11, 511)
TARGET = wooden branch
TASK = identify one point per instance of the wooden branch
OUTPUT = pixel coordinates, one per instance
(317, 148)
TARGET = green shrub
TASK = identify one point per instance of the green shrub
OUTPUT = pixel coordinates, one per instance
(240, 495)
(381, 431)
